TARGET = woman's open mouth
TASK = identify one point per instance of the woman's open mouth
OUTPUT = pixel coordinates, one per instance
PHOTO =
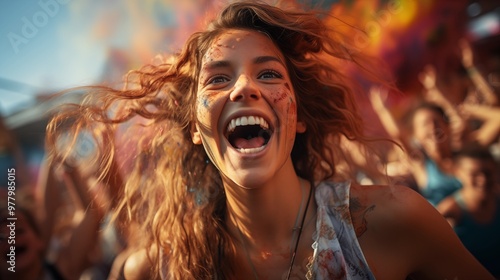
(248, 134)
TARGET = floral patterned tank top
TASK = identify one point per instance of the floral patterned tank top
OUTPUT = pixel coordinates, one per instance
(337, 254)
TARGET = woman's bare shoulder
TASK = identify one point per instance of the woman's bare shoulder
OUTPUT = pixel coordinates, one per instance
(399, 210)
(139, 265)
(383, 207)
(390, 197)
(402, 218)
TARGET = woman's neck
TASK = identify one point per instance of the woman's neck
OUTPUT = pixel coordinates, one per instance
(265, 217)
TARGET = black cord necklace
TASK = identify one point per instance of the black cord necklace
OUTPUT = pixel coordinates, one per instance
(299, 234)
(300, 228)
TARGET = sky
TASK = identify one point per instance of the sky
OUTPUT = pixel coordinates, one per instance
(39, 51)
(50, 45)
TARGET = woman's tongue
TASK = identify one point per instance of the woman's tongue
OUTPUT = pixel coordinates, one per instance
(243, 143)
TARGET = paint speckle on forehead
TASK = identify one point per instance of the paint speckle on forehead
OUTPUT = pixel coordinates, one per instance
(215, 51)
(228, 40)
(226, 46)
(225, 39)
(212, 53)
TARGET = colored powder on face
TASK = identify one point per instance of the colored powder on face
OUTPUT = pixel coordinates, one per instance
(280, 96)
(292, 114)
(292, 108)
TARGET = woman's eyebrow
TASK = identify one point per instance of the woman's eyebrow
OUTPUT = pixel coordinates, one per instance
(216, 64)
(267, 58)
(224, 63)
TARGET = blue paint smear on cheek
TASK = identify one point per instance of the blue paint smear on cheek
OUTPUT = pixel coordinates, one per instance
(205, 102)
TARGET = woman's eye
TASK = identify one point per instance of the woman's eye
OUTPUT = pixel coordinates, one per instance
(217, 80)
(270, 74)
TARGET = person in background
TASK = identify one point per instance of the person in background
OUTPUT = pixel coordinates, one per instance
(474, 210)
(52, 242)
(12, 157)
(428, 154)
(29, 258)
(484, 93)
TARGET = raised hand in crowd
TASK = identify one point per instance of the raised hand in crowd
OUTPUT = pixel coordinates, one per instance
(489, 130)
(485, 91)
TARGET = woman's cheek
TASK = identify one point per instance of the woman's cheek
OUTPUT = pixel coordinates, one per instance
(282, 97)
(203, 103)
(209, 106)
(280, 94)
(207, 100)
(201, 109)
(292, 117)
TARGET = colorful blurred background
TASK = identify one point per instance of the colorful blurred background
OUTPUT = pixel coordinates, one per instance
(50, 45)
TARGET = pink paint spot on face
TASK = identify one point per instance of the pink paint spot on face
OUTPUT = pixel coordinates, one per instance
(281, 93)
(279, 96)
(292, 115)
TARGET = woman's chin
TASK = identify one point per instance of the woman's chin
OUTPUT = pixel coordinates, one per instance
(248, 179)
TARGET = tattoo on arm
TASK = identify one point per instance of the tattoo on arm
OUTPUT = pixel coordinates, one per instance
(358, 213)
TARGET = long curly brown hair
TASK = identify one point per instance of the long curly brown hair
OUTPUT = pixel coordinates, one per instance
(173, 191)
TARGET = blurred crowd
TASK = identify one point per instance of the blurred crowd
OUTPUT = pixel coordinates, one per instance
(448, 152)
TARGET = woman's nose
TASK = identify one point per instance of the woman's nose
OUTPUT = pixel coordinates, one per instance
(244, 90)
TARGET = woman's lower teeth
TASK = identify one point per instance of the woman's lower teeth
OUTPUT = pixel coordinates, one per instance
(251, 150)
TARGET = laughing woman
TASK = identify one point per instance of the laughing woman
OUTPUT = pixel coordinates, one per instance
(233, 183)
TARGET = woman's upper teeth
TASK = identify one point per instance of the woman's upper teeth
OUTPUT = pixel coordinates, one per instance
(247, 120)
